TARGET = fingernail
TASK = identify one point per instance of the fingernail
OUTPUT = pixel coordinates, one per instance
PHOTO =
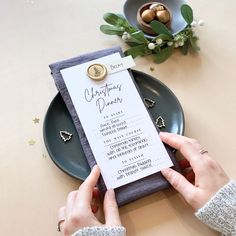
(95, 167)
(163, 134)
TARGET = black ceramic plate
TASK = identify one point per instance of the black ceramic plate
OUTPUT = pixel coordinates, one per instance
(177, 23)
(69, 156)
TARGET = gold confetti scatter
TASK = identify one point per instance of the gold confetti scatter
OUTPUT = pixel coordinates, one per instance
(31, 142)
(152, 68)
(36, 120)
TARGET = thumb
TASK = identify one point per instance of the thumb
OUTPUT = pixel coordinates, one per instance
(179, 183)
(111, 211)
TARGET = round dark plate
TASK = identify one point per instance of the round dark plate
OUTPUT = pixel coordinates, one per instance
(177, 23)
(70, 157)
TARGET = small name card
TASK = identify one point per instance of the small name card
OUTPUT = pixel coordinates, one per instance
(120, 64)
(121, 134)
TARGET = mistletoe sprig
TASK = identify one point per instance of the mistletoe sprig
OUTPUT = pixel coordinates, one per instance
(163, 45)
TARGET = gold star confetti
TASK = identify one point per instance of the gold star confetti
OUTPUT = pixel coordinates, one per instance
(36, 120)
(152, 68)
(31, 142)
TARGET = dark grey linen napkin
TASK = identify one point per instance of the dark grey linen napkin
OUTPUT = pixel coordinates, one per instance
(128, 192)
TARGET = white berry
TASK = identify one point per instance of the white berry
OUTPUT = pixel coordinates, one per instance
(194, 24)
(151, 46)
(201, 22)
(159, 41)
(124, 37)
(128, 36)
(170, 43)
(176, 44)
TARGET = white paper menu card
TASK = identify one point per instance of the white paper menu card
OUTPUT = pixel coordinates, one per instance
(120, 132)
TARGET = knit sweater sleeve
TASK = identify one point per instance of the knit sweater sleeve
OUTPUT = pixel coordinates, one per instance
(101, 231)
(219, 212)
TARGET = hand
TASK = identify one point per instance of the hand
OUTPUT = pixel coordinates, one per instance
(209, 176)
(78, 212)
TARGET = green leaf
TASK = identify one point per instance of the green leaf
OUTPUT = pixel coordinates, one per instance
(193, 42)
(185, 47)
(160, 28)
(163, 37)
(114, 19)
(139, 36)
(125, 23)
(111, 30)
(132, 42)
(163, 54)
(140, 50)
(121, 16)
(187, 13)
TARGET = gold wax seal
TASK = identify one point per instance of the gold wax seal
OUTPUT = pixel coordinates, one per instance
(97, 71)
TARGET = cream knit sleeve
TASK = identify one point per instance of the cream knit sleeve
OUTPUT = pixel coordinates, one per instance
(219, 212)
(101, 231)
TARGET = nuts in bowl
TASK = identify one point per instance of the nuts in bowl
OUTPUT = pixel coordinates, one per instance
(152, 11)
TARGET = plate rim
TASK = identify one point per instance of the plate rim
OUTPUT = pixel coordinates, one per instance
(66, 171)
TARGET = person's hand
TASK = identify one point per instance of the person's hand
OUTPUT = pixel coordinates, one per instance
(209, 176)
(78, 211)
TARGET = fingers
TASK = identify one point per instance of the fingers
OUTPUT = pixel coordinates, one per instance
(85, 192)
(79, 208)
(70, 202)
(92, 179)
(188, 147)
(61, 218)
(111, 211)
(179, 183)
(61, 213)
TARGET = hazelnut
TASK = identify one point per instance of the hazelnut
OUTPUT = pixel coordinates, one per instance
(148, 15)
(160, 8)
(156, 7)
(163, 16)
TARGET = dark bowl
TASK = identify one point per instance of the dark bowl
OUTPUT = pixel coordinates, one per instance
(177, 23)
